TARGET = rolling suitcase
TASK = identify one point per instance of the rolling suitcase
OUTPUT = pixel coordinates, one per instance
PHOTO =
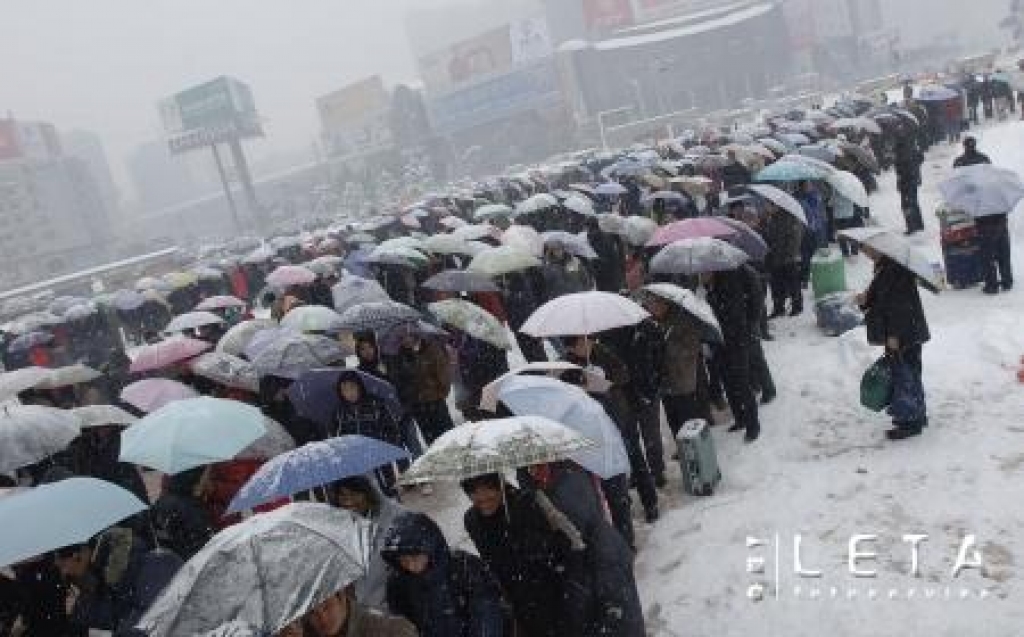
(964, 266)
(698, 458)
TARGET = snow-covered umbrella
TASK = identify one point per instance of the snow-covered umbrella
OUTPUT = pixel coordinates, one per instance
(502, 260)
(81, 311)
(446, 244)
(690, 229)
(128, 300)
(582, 313)
(471, 319)
(378, 316)
(16, 381)
(476, 232)
(575, 244)
(864, 124)
(494, 446)
(290, 354)
(697, 256)
(273, 443)
(312, 318)
(191, 321)
(288, 275)
(899, 250)
(780, 198)
(352, 290)
(266, 572)
(580, 205)
(689, 303)
(151, 394)
(30, 433)
(536, 203)
(523, 237)
(610, 189)
(222, 302)
(29, 340)
(639, 230)
(848, 185)
(459, 281)
(612, 223)
(236, 339)
(492, 211)
(103, 416)
(746, 239)
(227, 370)
(983, 190)
(69, 375)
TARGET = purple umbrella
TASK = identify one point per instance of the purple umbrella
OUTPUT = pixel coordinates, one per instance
(315, 394)
(690, 229)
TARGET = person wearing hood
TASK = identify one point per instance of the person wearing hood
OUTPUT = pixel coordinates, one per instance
(113, 579)
(522, 549)
(359, 412)
(601, 594)
(274, 402)
(443, 592)
(341, 615)
(421, 372)
(180, 520)
(361, 496)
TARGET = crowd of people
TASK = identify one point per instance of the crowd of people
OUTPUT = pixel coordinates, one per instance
(554, 543)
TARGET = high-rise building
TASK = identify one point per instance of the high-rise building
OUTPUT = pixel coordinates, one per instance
(88, 147)
(161, 179)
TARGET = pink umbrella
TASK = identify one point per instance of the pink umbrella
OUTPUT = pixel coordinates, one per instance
(153, 393)
(287, 275)
(690, 229)
(220, 303)
(165, 353)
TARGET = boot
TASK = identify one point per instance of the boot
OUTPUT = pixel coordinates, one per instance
(902, 432)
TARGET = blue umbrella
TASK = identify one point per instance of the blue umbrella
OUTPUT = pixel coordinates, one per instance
(314, 465)
(60, 514)
(189, 433)
(789, 171)
(574, 408)
(27, 341)
(315, 394)
(357, 262)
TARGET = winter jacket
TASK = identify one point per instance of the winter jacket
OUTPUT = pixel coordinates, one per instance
(729, 298)
(602, 598)
(682, 348)
(892, 306)
(908, 164)
(641, 348)
(609, 267)
(971, 158)
(37, 596)
(524, 292)
(366, 622)
(735, 174)
(455, 597)
(479, 362)
(784, 235)
(371, 590)
(368, 417)
(180, 520)
(526, 556)
(422, 376)
(565, 278)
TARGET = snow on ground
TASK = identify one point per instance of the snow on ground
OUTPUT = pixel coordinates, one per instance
(823, 469)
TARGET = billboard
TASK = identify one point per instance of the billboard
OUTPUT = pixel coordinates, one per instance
(349, 106)
(487, 54)
(603, 15)
(218, 110)
(531, 87)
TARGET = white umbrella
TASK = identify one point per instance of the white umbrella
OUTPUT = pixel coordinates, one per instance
(536, 203)
(287, 275)
(576, 244)
(689, 302)
(227, 370)
(222, 302)
(610, 188)
(476, 232)
(447, 244)
(312, 318)
(579, 205)
(523, 237)
(471, 319)
(899, 250)
(352, 290)
(697, 256)
(848, 185)
(612, 223)
(502, 260)
(491, 211)
(780, 198)
(639, 230)
(14, 382)
(236, 339)
(191, 321)
(583, 313)
(595, 382)
(983, 190)
(30, 433)
(493, 446)
(69, 375)
(102, 416)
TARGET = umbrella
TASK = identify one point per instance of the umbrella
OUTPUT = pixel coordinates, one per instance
(536, 203)
(525, 238)
(191, 321)
(402, 243)
(690, 229)
(476, 232)
(190, 433)
(397, 255)
(238, 337)
(312, 465)
(69, 375)
(220, 303)
(35, 321)
(612, 223)
(315, 393)
(30, 433)
(611, 188)
(849, 186)
(103, 416)
(471, 319)
(857, 124)
(595, 381)
(897, 249)
(266, 572)
(697, 256)
(689, 303)
(377, 316)
(128, 300)
(227, 370)
(361, 237)
(312, 318)
(288, 275)
(14, 382)
(151, 283)
(289, 354)
(80, 312)
(60, 305)
(206, 273)
(576, 244)
(582, 313)
(780, 198)
(60, 514)
(580, 205)
(624, 168)
(574, 408)
(773, 145)
(822, 152)
(863, 156)
(352, 290)
(446, 244)
(459, 281)
(270, 445)
(492, 211)
(790, 171)
(165, 353)
(153, 393)
(746, 239)
(639, 230)
(502, 260)
(29, 340)
(983, 190)
(493, 446)
(936, 93)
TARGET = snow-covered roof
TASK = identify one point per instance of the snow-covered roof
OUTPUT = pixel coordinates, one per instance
(728, 20)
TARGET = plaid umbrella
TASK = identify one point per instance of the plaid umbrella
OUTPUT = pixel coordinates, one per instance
(492, 446)
(459, 281)
(471, 319)
(377, 316)
(354, 290)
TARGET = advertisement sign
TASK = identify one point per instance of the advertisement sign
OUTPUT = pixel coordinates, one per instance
(193, 139)
(531, 87)
(350, 106)
(603, 15)
(372, 134)
(221, 102)
(487, 54)
(9, 139)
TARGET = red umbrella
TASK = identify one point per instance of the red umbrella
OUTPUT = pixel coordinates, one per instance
(690, 229)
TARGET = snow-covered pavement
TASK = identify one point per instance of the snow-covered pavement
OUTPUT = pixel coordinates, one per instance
(823, 469)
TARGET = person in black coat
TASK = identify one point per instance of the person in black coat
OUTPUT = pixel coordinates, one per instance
(894, 318)
(37, 598)
(274, 402)
(610, 265)
(179, 518)
(730, 298)
(444, 593)
(908, 181)
(523, 294)
(480, 363)
(971, 155)
(993, 231)
(519, 546)
(734, 174)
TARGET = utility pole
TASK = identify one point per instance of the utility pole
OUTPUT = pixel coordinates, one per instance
(227, 187)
